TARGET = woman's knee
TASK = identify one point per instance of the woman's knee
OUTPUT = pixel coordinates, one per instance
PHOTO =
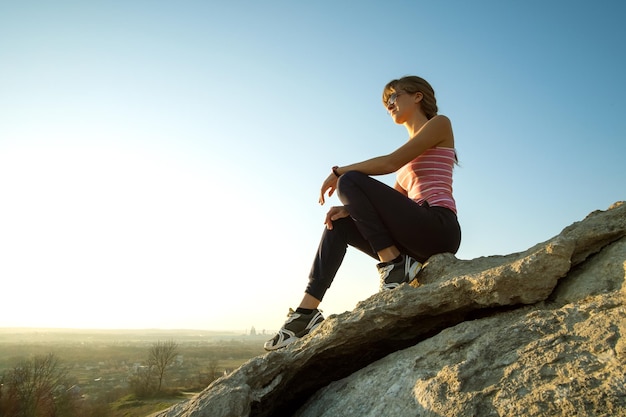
(348, 180)
(341, 227)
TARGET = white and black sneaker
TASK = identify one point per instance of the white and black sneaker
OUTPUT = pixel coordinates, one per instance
(297, 325)
(393, 275)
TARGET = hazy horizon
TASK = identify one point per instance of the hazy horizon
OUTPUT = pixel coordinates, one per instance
(131, 330)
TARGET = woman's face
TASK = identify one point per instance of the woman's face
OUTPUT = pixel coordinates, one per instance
(401, 105)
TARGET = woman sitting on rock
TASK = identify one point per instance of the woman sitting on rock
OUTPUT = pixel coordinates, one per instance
(402, 226)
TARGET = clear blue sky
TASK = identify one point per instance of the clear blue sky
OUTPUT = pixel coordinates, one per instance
(160, 162)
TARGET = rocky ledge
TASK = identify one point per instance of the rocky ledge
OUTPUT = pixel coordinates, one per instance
(536, 333)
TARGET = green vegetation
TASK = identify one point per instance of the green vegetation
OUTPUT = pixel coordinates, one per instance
(98, 372)
(130, 406)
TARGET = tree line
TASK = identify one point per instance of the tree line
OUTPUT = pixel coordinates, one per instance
(40, 386)
(149, 380)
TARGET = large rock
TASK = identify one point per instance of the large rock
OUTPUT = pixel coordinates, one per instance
(551, 359)
(533, 333)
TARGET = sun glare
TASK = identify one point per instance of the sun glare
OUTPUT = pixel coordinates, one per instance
(107, 227)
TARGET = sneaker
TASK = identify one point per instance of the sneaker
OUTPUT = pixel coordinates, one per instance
(297, 325)
(393, 275)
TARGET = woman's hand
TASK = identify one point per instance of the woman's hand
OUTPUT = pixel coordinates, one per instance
(335, 213)
(330, 185)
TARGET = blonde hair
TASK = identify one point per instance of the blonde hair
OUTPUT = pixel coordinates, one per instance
(414, 84)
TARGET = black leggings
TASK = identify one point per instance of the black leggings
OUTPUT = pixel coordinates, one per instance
(379, 218)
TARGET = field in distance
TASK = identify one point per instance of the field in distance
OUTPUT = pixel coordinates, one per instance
(102, 363)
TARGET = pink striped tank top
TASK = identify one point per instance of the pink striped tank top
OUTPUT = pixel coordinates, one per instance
(429, 177)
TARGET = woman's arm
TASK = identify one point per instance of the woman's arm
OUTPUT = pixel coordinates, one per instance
(436, 132)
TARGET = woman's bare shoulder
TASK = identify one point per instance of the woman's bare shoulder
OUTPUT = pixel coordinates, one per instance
(443, 127)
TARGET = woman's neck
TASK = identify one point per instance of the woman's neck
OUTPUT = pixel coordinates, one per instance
(415, 123)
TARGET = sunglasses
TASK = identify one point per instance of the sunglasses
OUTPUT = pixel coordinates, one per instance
(393, 97)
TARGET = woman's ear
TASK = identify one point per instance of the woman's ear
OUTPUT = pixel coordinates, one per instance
(418, 97)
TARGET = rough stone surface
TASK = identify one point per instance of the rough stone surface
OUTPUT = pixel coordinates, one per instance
(556, 358)
(536, 333)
